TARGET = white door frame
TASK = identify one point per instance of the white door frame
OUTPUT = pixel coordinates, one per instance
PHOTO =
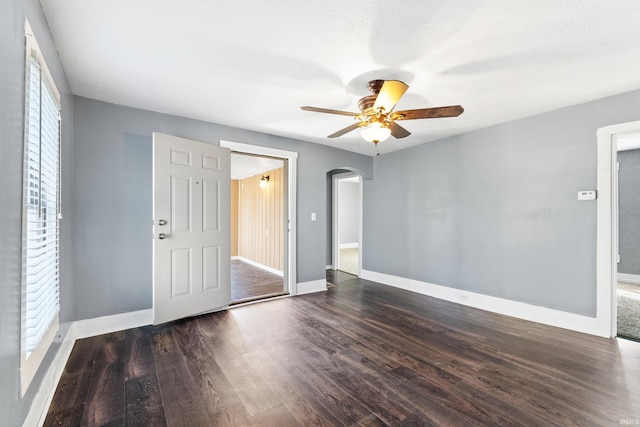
(292, 176)
(607, 225)
(334, 223)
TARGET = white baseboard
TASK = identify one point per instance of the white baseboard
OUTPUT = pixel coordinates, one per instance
(329, 267)
(348, 245)
(547, 316)
(78, 330)
(106, 324)
(312, 286)
(629, 278)
(258, 265)
(43, 397)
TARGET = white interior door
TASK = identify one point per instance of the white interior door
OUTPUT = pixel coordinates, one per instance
(192, 239)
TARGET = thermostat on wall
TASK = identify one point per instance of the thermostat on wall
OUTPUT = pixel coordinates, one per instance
(587, 195)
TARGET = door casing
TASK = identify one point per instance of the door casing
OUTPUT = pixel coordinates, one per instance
(291, 157)
(334, 223)
(607, 226)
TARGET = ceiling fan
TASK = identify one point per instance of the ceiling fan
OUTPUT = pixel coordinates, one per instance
(377, 118)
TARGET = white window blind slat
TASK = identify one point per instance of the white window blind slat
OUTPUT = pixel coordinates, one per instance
(41, 198)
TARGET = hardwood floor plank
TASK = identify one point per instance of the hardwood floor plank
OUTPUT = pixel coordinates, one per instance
(138, 353)
(360, 354)
(70, 416)
(381, 402)
(71, 392)
(143, 402)
(183, 404)
(327, 393)
(224, 406)
(278, 416)
(292, 393)
(82, 356)
(256, 396)
(105, 400)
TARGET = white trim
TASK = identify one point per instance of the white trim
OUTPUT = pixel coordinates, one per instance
(43, 397)
(629, 278)
(292, 180)
(607, 215)
(117, 322)
(547, 316)
(30, 364)
(349, 245)
(312, 286)
(34, 48)
(78, 330)
(258, 265)
(257, 149)
(329, 267)
(335, 250)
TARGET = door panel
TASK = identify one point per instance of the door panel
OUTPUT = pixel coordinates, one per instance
(180, 272)
(211, 210)
(180, 200)
(191, 249)
(211, 267)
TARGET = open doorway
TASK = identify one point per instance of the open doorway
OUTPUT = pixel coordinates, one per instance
(347, 223)
(258, 227)
(628, 209)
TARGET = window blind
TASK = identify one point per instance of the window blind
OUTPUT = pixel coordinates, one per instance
(40, 249)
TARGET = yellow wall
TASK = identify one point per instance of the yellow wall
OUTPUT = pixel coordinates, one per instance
(260, 219)
(234, 217)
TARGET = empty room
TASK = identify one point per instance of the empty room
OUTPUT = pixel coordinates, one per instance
(319, 213)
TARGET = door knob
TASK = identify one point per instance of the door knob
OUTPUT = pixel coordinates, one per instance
(162, 236)
(162, 222)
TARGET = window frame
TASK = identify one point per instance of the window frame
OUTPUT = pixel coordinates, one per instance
(30, 362)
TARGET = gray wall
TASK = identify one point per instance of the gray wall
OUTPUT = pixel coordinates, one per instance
(629, 211)
(12, 53)
(348, 207)
(113, 190)
(495, 211)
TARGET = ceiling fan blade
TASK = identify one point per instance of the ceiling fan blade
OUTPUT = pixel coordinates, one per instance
(345, 130)
(390, 94)
(327, 110)
(428, 113)
(398, 131)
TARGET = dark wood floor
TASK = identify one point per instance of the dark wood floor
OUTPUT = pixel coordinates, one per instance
(359, 354)
(249, 282)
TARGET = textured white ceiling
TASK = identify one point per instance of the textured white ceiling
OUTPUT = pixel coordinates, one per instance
(252, 64)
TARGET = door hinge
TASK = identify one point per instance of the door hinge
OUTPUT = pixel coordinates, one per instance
(618, 258)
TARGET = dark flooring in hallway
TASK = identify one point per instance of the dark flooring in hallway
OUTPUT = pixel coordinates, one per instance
(249, 282)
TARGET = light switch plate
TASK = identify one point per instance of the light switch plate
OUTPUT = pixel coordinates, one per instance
(587, 195)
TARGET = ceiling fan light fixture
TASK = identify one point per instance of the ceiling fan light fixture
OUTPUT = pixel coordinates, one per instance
(375, 132)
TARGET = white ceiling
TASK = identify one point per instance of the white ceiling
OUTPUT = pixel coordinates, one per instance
(251, 64)
(243, 166)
